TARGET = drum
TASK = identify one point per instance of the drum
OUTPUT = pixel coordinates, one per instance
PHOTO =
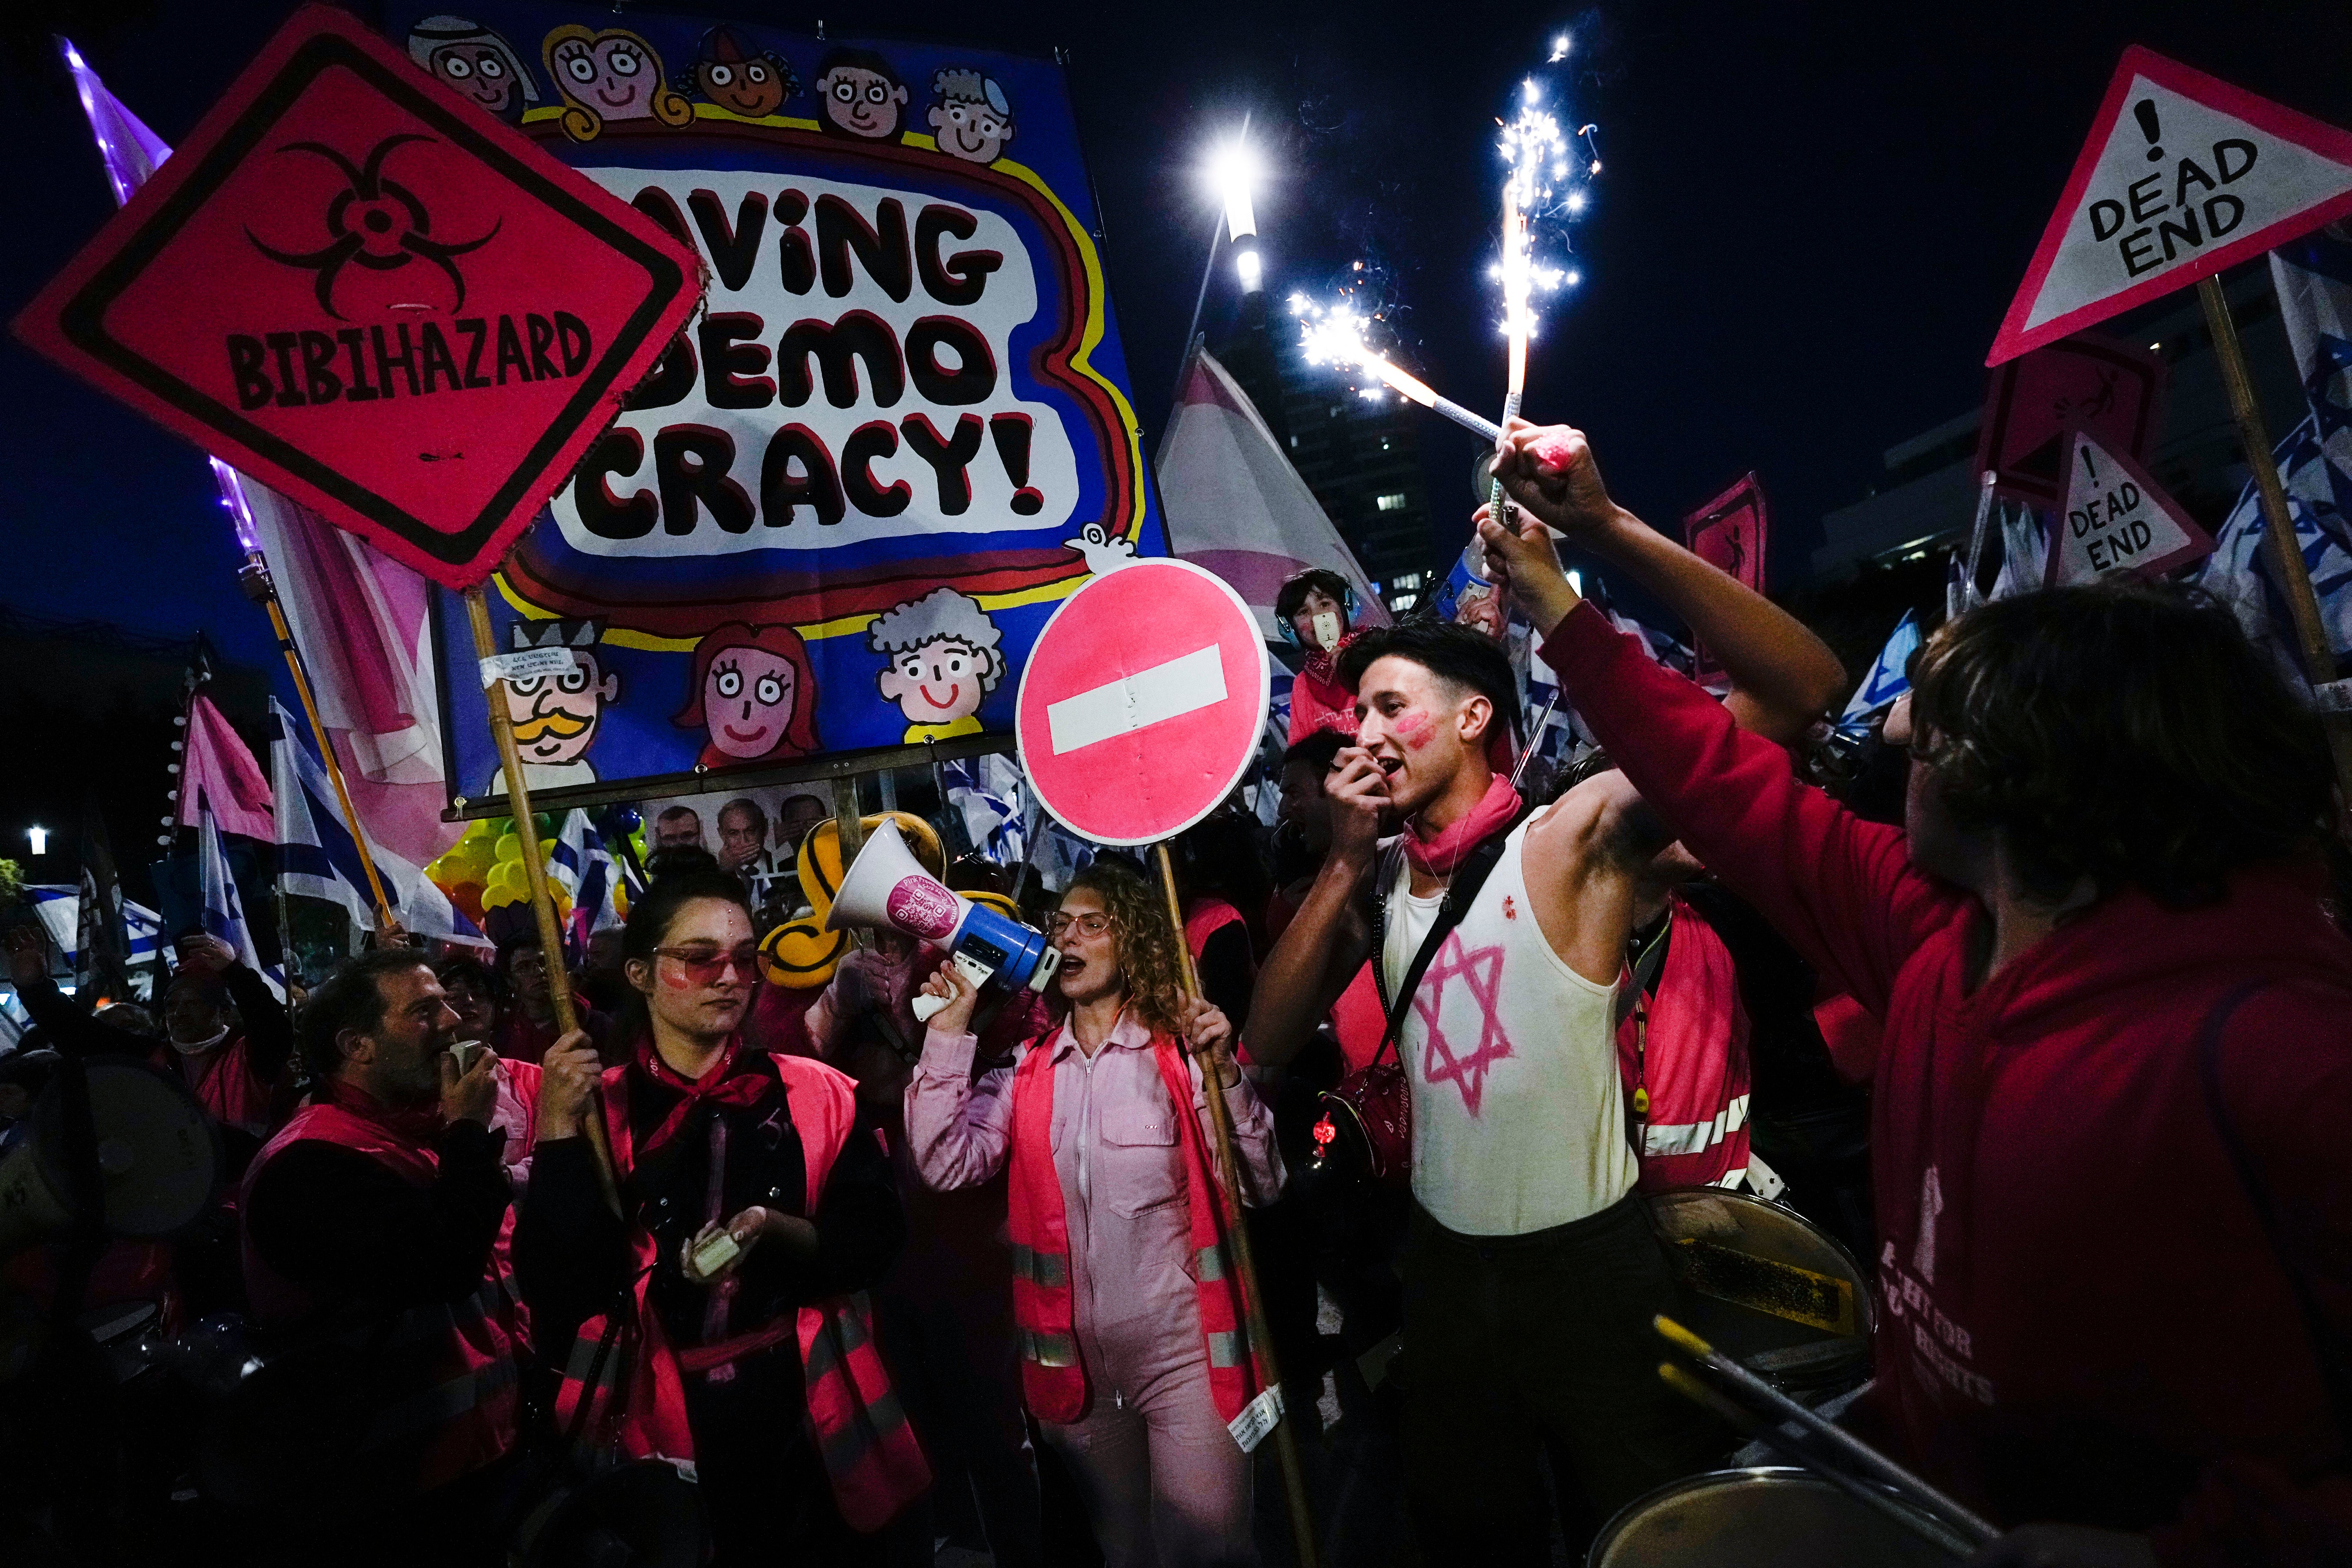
(1757, 1518)
(1769, 1288)
(158, 1159)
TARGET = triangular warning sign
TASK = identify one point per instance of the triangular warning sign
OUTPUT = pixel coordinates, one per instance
(2117, 519)
(2183, 175)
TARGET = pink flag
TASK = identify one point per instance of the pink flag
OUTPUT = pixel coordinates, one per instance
(1236, 507)
(221, 773)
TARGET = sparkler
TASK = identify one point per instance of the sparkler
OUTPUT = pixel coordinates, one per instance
(1336, 335)
(1534, 184)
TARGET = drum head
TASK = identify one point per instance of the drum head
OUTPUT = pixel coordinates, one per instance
(1766, 1288)
(158, 1149)
(1757, 1518)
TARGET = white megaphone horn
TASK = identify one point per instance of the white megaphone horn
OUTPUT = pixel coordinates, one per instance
(887, 887)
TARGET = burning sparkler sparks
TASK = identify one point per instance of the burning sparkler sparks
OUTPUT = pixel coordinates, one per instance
(1335, 334)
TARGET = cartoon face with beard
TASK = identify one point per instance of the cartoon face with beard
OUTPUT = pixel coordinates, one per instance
(555, 716)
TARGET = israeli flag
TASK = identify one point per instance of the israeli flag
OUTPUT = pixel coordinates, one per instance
(1888, 678)
(223, 908)
(585, 870)
(2314, 278)
(318, 859)
(992, 798)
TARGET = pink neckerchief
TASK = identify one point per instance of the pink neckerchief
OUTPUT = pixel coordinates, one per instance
(1439, 856)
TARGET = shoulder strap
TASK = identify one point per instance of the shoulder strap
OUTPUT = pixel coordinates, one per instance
(2326, 1346)
(1460, 893)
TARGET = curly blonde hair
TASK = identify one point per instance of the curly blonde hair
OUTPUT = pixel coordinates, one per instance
(1148, 951)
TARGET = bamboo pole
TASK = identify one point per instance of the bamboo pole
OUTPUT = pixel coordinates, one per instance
(255, 581)
(1221, 1122)
(543, 906)
(2287, 570)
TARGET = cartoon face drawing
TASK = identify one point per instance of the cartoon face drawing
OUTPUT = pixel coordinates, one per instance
(480, 65)
(555, 716)
(943, 662)
(859, 95)
(610, 76)
(754, 692)
(737, 81)
(970, 119)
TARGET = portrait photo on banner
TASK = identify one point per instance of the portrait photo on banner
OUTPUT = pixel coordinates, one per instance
(897, 435)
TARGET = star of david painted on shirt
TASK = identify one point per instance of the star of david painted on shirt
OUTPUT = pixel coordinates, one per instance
(1480, 971)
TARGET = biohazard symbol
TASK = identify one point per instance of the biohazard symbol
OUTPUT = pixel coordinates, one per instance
(1481, 970)
(376, 223)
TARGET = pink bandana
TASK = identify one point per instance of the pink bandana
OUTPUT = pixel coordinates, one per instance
(1439, 856)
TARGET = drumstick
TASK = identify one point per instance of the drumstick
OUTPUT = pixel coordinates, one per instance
(1855, 1451)
(1746, 1421)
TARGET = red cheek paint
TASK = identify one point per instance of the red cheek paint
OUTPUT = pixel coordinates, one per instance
(1413, 730)
(676, 981)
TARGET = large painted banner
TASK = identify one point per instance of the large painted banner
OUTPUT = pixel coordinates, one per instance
(837, 515)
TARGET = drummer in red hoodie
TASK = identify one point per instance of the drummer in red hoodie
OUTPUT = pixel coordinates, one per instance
(2111, 1103)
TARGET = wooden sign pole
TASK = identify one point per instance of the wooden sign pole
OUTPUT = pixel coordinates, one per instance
(542, 905)
(1261, 1339)
(2286, 553)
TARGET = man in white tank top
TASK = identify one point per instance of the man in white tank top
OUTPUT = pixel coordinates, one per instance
(1531, 1273)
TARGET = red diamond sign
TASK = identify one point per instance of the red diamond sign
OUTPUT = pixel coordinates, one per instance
(354, 286)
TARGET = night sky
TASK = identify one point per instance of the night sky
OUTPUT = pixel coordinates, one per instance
(1808, 224)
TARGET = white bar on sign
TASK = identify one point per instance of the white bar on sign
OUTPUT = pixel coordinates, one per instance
(1148, 697)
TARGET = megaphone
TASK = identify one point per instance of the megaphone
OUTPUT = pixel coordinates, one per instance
(886, 887)
(158, 1158)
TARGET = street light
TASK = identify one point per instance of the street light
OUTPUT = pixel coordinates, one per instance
(1232, 172)
(39, 837)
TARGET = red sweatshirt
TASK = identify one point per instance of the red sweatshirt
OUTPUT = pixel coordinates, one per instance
(2081, 1316)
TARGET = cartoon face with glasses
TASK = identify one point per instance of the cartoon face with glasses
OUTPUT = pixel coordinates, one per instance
(555, 716)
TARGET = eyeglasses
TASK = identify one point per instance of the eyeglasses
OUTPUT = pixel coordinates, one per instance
(703, 963)
(1094, 922)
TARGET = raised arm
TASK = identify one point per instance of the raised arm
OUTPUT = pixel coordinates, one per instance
(1842, 891)
(960, 1132)
(1328, 940)
(1784, 677)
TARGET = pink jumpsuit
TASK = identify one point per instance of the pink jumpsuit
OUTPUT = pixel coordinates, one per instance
(1166, 1485)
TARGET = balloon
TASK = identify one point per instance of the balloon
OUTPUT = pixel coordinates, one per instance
(510, 846)
(508, 877)
(480, 829)
(465, 898)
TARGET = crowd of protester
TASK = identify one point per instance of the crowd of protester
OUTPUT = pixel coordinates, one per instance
(2044, 1023)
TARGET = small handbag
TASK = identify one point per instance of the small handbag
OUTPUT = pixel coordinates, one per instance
(1366, 1128)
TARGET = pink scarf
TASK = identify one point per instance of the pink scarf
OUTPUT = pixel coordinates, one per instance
(1439, 856)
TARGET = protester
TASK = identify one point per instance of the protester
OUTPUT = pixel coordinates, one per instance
(1134, 1353)
(1303, 834)
(1522, 1172)
(229, 1039)
(946, 1309)
(758, 1209)
(378, 1221)
(599, 981)
(472, 991)
(2109, 985)
(527, 1028)
(1223, 884)
(1313, 610)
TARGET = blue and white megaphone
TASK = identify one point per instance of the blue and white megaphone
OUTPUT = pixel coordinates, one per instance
(887, 887)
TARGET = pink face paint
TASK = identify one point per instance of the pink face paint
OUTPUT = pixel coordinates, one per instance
(1412, 729)
(676, 978)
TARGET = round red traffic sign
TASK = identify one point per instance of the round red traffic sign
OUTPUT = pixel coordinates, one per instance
(1142, 703)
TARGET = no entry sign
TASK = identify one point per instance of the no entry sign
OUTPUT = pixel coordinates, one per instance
(355, 286)
(2183, 175)
(1142, 703)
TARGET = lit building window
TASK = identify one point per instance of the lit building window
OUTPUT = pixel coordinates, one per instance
(1392, 502)
(1405, 601)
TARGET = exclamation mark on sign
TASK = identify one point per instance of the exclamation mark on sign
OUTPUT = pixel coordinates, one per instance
(2145, 113)
(1011, 433)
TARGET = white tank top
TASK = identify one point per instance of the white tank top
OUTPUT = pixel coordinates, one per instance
(1518, 1122)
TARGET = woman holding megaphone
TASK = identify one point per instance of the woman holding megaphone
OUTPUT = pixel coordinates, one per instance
(1133, 1352)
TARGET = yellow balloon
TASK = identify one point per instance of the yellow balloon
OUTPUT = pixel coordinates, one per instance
(510, 846)
(480, 830)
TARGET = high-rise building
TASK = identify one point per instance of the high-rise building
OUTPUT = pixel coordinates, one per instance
(1360, 455)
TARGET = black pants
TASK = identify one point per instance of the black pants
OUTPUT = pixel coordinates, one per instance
(1520, 1346)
